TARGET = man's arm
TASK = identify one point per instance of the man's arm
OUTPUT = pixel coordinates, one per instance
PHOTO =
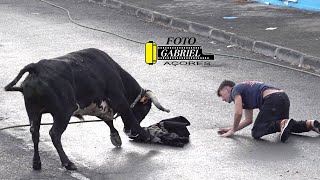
(244, 123)
(237, 111)
(237, 116)
(248, 113)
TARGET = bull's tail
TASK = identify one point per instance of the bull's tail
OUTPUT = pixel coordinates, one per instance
(29, 68)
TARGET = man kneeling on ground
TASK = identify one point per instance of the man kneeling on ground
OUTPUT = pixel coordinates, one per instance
(274, 106)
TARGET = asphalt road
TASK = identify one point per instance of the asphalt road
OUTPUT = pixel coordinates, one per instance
(31, 30)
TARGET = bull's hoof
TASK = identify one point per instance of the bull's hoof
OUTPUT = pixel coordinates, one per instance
(130, 133)
(115, 139)
(36, 165)
(70, 166)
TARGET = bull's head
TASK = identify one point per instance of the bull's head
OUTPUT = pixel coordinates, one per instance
(142, 108)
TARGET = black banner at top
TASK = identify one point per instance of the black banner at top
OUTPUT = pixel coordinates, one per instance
(182, 53)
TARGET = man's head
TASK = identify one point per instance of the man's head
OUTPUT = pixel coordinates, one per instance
(224, 90)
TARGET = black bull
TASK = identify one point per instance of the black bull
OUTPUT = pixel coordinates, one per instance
(86, 82)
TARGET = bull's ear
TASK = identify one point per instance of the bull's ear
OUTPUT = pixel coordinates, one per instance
(144, 100)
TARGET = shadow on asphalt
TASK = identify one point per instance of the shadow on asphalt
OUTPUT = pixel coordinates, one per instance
(161, 146)
(123, 164)
(266, 149)
(311, 139)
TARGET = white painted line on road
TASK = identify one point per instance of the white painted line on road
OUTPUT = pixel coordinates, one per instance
(79, 176)
(76, 175)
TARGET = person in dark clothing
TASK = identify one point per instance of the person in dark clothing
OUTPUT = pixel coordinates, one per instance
(273, 103)
(171, 132)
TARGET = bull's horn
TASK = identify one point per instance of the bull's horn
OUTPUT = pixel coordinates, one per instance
(155, 101)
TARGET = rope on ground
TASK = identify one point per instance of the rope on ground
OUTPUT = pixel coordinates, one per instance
(84, 26)
(45, 124)
(216, 54)
(128, 39)
(266, 62)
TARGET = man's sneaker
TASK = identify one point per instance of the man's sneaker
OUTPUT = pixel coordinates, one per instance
(285, 126)
(316, 126)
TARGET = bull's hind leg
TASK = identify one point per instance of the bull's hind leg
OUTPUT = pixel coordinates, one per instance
(35, 119)
(114, 134)
(59, 126)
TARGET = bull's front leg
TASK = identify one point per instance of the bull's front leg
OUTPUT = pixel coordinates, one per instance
(132, 127)
(114, 134)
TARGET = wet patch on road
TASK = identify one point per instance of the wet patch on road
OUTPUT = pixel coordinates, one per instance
(3, 118)
(214, 64)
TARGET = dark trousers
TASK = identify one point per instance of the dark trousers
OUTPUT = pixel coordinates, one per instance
(275, 107)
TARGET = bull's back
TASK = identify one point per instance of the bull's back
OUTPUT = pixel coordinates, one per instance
(91, 73)
(88, 65)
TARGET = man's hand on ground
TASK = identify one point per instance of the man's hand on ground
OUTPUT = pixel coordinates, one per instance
(225, 133)
(223, 130)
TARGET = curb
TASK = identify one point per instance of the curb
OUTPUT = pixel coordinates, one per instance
(285, 54)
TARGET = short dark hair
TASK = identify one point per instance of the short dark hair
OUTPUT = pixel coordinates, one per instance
(224, 84)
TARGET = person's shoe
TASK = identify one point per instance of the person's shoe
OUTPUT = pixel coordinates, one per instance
(285, 126)
(316, 126)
